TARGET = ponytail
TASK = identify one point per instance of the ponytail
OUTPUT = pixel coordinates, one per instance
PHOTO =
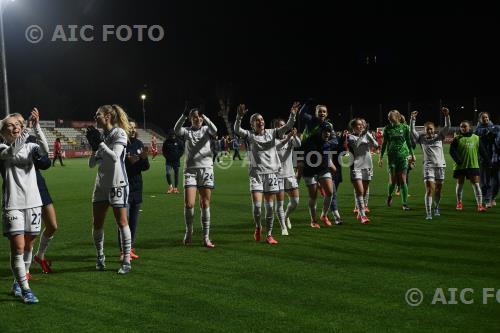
(119, 117)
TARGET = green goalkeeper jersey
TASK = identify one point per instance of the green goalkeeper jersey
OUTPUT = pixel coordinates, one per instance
(397, 141)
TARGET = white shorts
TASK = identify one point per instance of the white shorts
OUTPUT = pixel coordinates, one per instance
(267, 183)
(315, 179)
(288, 183)
(24, 221)
(433, 174)
(362, 174)
(199, 177)
(116, 196)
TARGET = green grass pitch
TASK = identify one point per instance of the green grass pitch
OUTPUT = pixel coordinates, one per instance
(349, 278)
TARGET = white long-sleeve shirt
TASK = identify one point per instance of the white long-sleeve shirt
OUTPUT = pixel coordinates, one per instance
(198, 153)
(432, 147)
(360, 146)
(262, 153)
(110, 157)
(20, 189)
(285, 152)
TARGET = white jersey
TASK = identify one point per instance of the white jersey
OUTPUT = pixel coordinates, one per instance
(111, 160)
(197, 151)
(285, 154)
(262, 153)
(20, 189)
(432, 147)
(360, 145)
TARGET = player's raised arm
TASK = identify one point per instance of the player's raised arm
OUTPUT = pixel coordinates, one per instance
(413, 120)
(178, 129)
(447, 122)
(41, 139)
(212, 129)
(291, 120)
(241, 111)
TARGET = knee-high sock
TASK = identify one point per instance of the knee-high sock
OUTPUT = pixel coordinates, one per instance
(269, 217)
(98, 235)
(27, 257)
(19, 270)
(428, 204)
(43, 245)
(312, 209)
(205, 221)
(390, 189)
(437, 199)
(292, 204)
(327, 200)
(404, 193)
(126, 240)
(256, 211)
(334, 204)
(188, 219)
(281, 213)
(477, 193)
(360, 203)
(355, 198)
(458, 192)
(366, 197)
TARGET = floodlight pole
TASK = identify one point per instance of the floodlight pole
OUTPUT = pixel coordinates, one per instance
(144, 113)
(4, 64)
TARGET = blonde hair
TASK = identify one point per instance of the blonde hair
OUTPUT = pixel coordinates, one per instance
(396, 112)
(118, 116)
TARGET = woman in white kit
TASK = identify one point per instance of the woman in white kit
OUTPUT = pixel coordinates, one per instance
(264, 165)
(360, 142)
(21, 198)
(198, 170)
(434, 161)
(287, 180)
(111, 183)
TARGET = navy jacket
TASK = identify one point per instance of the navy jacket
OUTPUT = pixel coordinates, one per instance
(486, 133)
(172, 151)
(135, 147)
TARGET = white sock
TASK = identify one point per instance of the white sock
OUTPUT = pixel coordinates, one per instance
(188, 219)
(355, 198)
(336, 214)
(458, 192)
(256, 213)
(437, 200)
(428, 204)
(327, 200)
(292, 204)
(477, 193)
(43, 245)
(269, 217)
(312, 209)
(205, 221)
(27, 257)
(98, 236)
(126, 242)
(281, 213)
(19, 270)
(367, 197)
(361, 205)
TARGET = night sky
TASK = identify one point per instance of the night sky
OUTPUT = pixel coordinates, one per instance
(264, 55)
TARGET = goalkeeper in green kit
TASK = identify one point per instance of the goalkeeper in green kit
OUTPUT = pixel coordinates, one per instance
(397, 143)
